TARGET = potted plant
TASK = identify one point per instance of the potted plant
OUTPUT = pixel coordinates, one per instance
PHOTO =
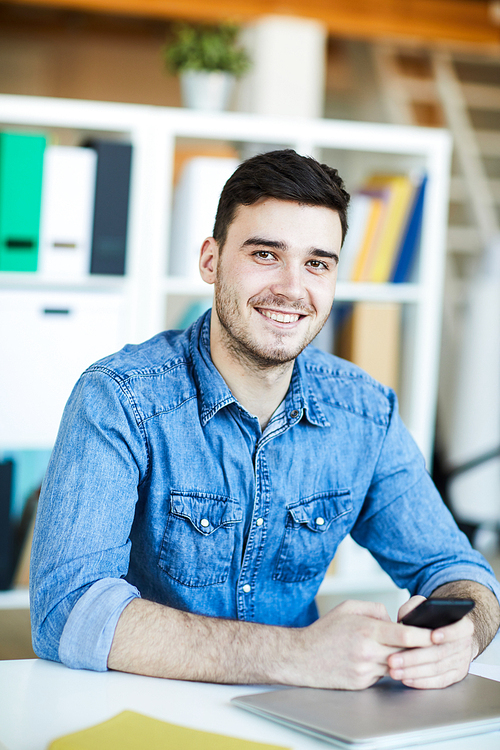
(208, 59)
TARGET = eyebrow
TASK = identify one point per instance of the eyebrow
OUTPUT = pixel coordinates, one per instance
(261, 242)
(314, 252)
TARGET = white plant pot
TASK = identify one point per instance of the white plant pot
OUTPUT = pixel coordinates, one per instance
(206, 90)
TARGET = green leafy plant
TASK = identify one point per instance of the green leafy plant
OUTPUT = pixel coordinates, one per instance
(207, 48)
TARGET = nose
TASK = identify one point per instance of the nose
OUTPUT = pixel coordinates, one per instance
(289, 283)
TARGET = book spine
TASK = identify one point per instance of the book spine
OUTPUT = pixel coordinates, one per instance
(401, 191)
(195, 204)
(109, 234)
(21, 170)
(369, 241)
(370, 338)
(411, 238)
(67, 211)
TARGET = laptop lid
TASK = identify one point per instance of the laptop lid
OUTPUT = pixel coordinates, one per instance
(386, 715)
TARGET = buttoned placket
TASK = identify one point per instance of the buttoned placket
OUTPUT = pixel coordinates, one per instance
(246, 593)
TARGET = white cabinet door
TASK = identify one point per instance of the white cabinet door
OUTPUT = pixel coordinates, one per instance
(47, 339)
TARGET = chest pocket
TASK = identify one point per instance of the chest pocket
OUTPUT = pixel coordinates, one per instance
(199, 539)
(314, 528)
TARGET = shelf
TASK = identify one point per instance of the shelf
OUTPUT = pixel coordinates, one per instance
(357, 292)
(150, 296)
(24, 281)
(186, 286)
(179, 285)
(346, 290)
(15, 599)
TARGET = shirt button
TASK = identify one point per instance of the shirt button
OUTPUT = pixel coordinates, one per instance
(205, 522)
(259, 521)
(247, 588)
(294, 413)
(320, 521)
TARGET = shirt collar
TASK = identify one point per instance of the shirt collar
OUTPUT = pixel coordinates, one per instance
(214, 391)
(300, 385)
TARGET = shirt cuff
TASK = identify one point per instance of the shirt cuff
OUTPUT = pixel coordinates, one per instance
(88, 634)
(460, 573)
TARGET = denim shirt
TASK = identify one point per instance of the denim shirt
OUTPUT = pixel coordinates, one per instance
(162, 485)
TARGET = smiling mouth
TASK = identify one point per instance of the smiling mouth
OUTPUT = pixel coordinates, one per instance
(280, 317)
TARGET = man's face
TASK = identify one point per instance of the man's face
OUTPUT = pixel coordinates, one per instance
(274, 279)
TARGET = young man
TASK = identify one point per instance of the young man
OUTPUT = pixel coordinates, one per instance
(202, 481)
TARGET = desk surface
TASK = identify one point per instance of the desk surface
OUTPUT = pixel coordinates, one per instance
(40, 701)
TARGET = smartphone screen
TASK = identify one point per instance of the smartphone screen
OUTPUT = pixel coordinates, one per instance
(436, 613)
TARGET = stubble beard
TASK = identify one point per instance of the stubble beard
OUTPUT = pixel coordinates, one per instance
(238, 340)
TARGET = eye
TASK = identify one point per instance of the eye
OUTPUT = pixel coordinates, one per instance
(317, 265)
(264, 255)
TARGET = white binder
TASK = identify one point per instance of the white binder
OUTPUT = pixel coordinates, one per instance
(196, 199)
(67, 211)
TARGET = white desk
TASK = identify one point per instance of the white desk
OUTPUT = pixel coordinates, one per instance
(40, 701)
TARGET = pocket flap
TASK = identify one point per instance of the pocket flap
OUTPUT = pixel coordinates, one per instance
(318, 511)
(206, 512)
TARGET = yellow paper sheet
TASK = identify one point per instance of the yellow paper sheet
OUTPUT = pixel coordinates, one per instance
(132, 731)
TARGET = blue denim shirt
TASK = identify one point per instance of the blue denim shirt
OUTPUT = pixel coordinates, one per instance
(162, 485)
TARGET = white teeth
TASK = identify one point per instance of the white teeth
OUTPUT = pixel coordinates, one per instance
(280, 317)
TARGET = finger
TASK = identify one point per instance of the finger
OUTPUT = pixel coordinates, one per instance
(410, 605)
(417, 669)
(376, 653)
(360, 678)
(436, 682)
(440, 672)
(462, 629)
(422, 656)
(409, 657)
(403, 636)
(458, 664)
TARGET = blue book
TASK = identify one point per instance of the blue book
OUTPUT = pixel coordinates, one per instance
(410, 239)
(6, 533)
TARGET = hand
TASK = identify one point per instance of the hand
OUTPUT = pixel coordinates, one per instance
(442, 663)
(349, 647)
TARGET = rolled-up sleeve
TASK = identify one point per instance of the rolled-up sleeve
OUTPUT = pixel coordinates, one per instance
(81, 545)
(88, 634)
(407, 527)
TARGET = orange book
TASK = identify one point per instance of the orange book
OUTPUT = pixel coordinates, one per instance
(371, 337)
(369, 241)
(399, 192)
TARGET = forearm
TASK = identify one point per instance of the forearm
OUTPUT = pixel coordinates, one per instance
(486, 613)
(159, 641)
(347, 648)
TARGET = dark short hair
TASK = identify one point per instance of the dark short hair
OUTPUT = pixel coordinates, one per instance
(284, 175)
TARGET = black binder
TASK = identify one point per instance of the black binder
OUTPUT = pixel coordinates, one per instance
(109, 236)
(6, 547)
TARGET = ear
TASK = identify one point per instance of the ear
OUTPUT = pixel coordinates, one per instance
(209, 255)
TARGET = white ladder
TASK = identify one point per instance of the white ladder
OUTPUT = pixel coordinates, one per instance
(469, 401)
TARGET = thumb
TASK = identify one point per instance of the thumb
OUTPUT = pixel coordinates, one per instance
(409, 606)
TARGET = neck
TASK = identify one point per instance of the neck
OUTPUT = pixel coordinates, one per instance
(259, 389)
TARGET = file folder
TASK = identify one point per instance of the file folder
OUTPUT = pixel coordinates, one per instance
(109, 236)
(195, 204)
(69, 177)
(21, 168)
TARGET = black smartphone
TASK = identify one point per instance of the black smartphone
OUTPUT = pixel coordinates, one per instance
(436, 613)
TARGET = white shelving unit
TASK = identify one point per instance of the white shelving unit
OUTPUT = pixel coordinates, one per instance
(355, 148)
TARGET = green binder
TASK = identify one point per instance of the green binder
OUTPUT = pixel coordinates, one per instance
(21, 168)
